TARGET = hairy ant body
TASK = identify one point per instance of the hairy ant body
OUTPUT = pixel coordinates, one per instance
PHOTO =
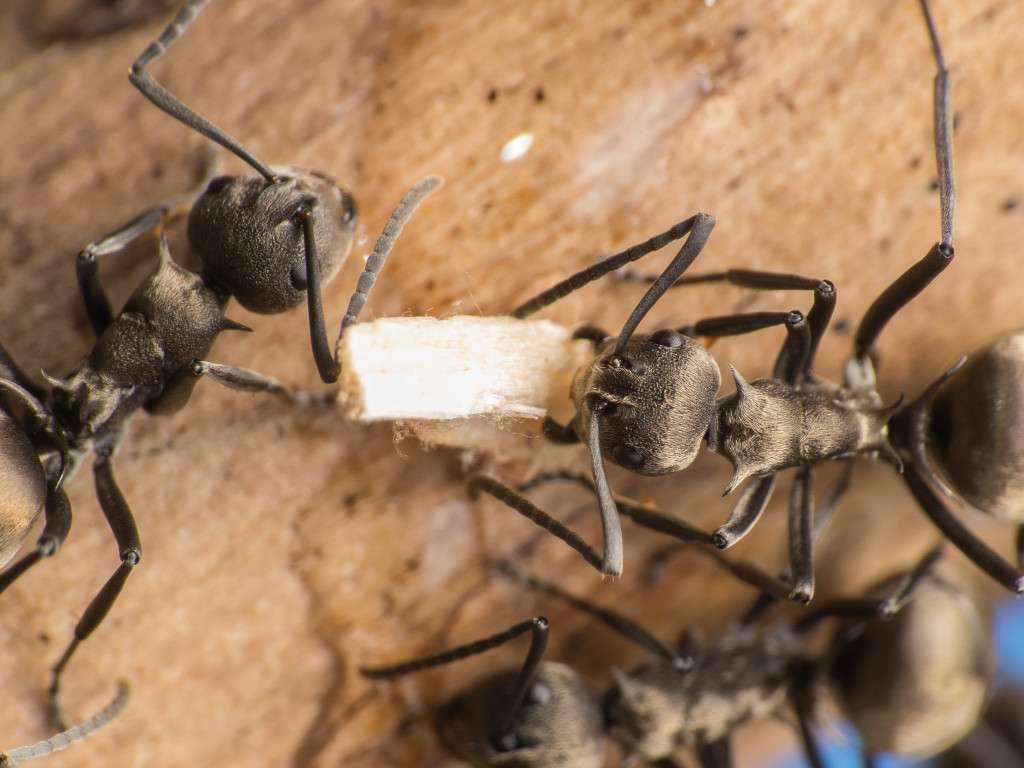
(648, 401)
(269, 241)
(689, 696)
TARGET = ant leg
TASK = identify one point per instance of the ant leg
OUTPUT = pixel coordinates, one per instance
(976, 550)
(245, 380)
(895, 297)
(734, 325)
(328, 363)
(803, 699)
(801, 537)
(917, 278)
(747, 511)
(817, 319)
(715, 754)
(65, 739)
(791, 362)
(1020, 546)
(122, 524)
(603, 563)
(628, 628)
(641, 514)
(97, 305)
(560, 434)
(654, 519)
(867, 609)
(55, 530)
(593, 334)
(701, 225)
(170, 104)
(822, 515)
(537, 626)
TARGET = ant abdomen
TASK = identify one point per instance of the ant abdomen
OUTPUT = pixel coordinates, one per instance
(249, 235)
(975, 427)
(917, 683)
(22, 487)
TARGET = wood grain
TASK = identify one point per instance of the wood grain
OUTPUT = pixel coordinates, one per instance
(282, 549)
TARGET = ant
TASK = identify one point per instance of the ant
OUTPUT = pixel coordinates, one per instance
(268, 241)
(545, 714)
(647, 401)
(14, 757)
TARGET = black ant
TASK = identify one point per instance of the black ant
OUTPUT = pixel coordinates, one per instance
(269, 241)
(647, 402)
(687, 696)
(14, 757)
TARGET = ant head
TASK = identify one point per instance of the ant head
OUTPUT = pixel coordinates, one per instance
(654, 401)
(916, 683)
(559, 724)
(251, 242)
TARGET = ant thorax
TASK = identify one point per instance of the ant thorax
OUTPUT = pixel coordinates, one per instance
(768, 425)
(559, 725)
(657, 708)
(171, 318)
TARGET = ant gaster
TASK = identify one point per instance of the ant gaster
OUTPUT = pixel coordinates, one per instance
(690, 696)
(647, 402)
(268, 241)
(916, 684)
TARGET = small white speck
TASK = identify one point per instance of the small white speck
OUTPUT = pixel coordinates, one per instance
(517, 147)
(709, 3)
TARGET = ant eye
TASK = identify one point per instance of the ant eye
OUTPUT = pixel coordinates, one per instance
(507, 743)
(218, 184)
(601, 405)
(539, 693)
(627, 456)
(667, 338)
(348, 208)
(298, 276)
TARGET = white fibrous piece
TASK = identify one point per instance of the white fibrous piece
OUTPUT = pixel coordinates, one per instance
(422, 368)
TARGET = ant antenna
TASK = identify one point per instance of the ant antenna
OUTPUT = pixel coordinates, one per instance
(173, 106)
(327, 363)
(612, 561)
(574, 282)
(700, 230)
(504, 737)
(65, 739)
(625, 627)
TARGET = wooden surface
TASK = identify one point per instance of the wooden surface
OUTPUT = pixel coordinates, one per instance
(282, 549)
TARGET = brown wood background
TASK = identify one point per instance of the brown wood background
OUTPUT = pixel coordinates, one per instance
(282, 549)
